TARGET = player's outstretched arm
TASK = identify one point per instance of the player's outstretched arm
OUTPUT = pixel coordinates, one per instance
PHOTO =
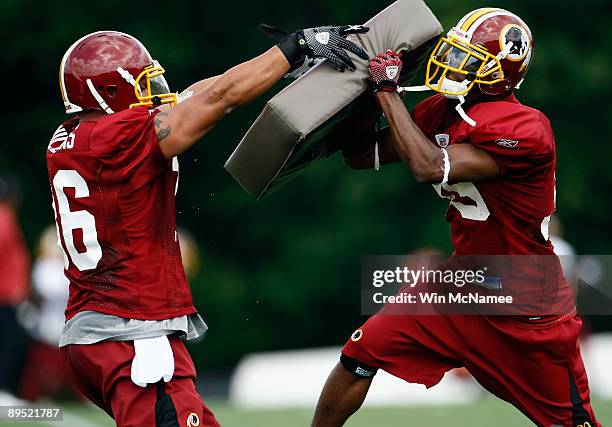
(198, 87)
(179, 127)
(427, 162)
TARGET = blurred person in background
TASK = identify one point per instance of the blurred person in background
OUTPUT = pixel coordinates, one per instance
(14, 284)
(43, 374)
(190, 253)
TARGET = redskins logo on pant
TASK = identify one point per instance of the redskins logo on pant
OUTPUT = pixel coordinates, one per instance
(357, 335)
(193, 420)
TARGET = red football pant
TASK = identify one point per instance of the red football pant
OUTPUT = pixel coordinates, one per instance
(536, 368)
(101, 372)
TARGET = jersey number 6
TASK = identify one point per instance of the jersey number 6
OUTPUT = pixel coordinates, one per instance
(68, 221)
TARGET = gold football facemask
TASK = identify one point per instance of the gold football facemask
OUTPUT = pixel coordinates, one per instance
(458, 65)
(151, 88)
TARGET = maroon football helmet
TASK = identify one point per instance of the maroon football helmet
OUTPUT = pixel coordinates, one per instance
(111, 71)
(489, 48)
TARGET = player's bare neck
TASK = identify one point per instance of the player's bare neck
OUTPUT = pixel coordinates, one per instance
(481, 97)
(89, 116)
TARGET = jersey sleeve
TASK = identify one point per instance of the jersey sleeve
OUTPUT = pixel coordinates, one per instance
(130, 143)
(517, 142)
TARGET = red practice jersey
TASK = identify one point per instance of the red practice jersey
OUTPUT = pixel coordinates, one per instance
(113, 196)
(509, 214)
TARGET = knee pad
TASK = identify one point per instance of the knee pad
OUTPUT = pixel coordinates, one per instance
(357, 368)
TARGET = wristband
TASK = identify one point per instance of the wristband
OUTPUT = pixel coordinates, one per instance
(290, 46)
(386, 86)
(446, 168)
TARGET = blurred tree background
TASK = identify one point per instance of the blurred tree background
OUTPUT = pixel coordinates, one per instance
(284, 272)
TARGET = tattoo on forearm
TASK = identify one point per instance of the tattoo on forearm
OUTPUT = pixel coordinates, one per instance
(162, 127)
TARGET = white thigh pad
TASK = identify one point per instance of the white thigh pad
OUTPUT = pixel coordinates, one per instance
(153, 360)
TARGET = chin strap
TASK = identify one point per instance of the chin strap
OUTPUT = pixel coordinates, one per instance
(412, 89)
(101, 102)
(500, 56)
(458, 108)
(462, 113)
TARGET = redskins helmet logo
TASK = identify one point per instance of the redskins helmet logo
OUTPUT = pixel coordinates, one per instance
(521, 43)
(193, 420)
(357, 335)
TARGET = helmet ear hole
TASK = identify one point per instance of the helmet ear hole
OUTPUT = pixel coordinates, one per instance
(111, 91)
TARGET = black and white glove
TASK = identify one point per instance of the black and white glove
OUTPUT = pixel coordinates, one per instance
(321, 42)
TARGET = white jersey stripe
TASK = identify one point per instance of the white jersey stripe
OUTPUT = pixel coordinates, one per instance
(474, 13)
(59, 131)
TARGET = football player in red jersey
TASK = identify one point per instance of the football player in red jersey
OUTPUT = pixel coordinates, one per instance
(494, 158)
(113, 175)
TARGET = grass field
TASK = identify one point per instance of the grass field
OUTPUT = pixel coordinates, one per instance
(483, 414)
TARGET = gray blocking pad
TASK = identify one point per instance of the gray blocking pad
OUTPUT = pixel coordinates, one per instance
(290, 133)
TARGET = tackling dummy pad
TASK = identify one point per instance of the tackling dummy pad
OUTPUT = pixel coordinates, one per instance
(290, 133)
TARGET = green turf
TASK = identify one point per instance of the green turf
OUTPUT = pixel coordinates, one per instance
(486, 412)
